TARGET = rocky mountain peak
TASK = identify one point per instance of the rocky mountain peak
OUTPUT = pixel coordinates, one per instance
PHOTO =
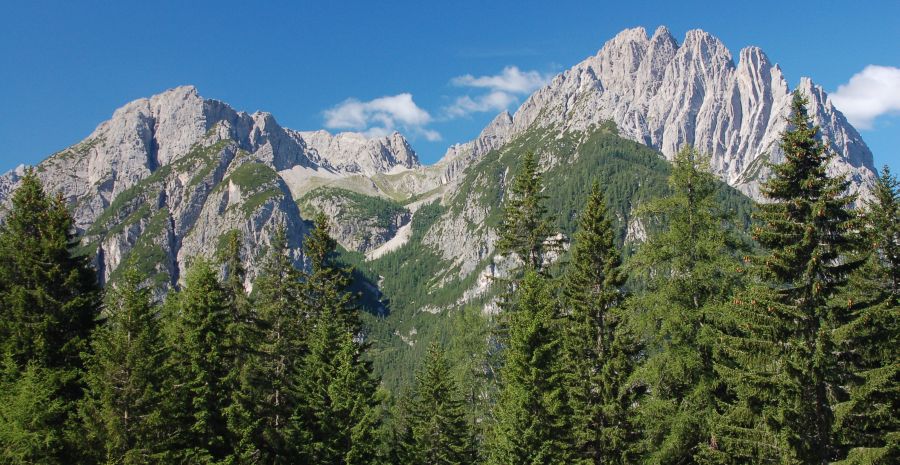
(662, 35)
(358, 153)
(667, 95)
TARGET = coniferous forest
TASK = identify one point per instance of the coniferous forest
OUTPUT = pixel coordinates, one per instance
(708, 345)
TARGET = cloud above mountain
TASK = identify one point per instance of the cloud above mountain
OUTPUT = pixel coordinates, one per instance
(511, 80)
(503, 90)
(870, 93)
(381, 116)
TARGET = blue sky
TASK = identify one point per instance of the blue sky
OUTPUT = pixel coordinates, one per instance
(426, 68)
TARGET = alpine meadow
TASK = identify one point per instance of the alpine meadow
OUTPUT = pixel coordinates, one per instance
(664, 256)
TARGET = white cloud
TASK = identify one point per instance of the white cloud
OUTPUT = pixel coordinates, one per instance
(870, 93)
(494, 101)
(381, 116)
(511, 80)
(503, 90)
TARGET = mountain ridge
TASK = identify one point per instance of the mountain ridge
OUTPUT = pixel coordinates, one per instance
(667, 95)
(193, 161)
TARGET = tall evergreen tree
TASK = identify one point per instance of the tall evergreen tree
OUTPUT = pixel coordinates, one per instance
(49, 297)
(200, 368)
(242, 341)
(242, 318)
(440, 433)
(336, 417)
(123, 406)
(328, 281)
(277, 366)
(779, 357)
(532, 421)
(49, 300)
(33, 414)
(524, 229)
(598, 351)
(472, 370)
(689, 269)
(867, 423)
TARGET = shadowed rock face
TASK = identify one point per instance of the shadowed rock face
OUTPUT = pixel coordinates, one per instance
(667, 95)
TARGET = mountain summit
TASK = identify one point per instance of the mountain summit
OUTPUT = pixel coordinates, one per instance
(666, 95)
(165, 176)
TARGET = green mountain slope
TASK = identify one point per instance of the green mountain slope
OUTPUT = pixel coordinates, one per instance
(427, 296)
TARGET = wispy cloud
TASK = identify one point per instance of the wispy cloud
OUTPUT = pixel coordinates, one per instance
(511, 79)
(381, 116)
(494, 101)
(502, 89)
(870, 93)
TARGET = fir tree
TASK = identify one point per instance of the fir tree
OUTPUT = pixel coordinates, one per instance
(867, 424)
(472, 369)
(32, 414)
(336, 418)
(328, 282)
(598, 353)
(200, 368)
(242, 340)
(531, 417)
(778, 356)
(689, 269)
(524, 229)
(283, 344)
(439, 431)
(49, 298)
(122, 410)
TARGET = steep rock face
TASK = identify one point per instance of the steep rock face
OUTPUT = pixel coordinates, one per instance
(356, 153)
(358, 222)
(166, 176)
(667, 95)
(182, 210)
(460, 156)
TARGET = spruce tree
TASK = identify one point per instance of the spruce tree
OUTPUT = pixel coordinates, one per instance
(779, 355)
(531, 417)
(200, 368)
(242, 319)
(49, 301)
(33, 414)
(689, 270)
(283, 344)
(524, 229)
(327, 280)
(49, 297)
(866, 422)
(598, 351)
(336, 417)
(439, 430)
(242, 340)
(122, 411)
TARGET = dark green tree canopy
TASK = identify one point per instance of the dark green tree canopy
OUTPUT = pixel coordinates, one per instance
(125, 373)
(49, 298)
(525, 230)
(440, 433)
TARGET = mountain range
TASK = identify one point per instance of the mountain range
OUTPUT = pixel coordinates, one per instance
(165, 177)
